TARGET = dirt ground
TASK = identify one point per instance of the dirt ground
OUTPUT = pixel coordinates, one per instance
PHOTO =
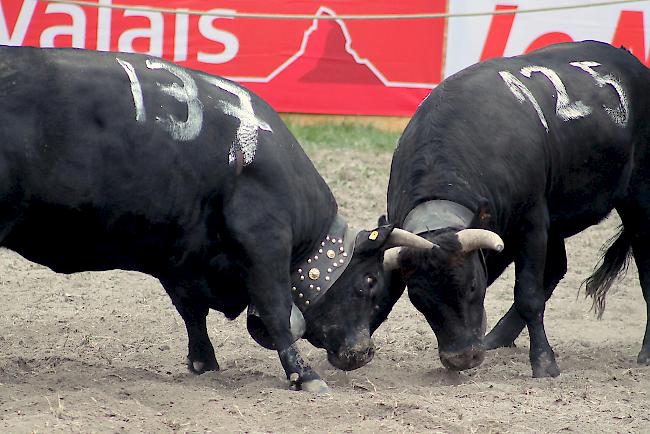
(105, 352)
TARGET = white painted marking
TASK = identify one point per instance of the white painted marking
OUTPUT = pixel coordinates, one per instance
(246, 137)
(136, 90)
(564, 108)
(521, 92)
(619, 114)
(188, 93)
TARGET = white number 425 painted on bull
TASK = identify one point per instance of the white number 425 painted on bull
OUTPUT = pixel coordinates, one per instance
(566, 109)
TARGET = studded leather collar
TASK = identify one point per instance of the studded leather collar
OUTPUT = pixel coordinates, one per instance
(315, 276)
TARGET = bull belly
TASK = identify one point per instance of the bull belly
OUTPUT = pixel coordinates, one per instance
(69, 243)
(72, 256)
(573, 220)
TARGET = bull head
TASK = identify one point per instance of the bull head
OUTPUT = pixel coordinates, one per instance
(447, 284)
(334, 291)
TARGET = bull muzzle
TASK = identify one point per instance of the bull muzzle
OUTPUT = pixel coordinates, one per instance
(471, 357)
(461, 360)
(354, 357)
(260, 333)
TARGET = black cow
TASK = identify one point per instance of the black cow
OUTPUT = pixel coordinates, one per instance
(534, 148)
(125, 161)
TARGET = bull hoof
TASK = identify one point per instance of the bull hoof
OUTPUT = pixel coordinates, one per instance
(545, 367)
(316, 386)
(644, 358)
(199, 367)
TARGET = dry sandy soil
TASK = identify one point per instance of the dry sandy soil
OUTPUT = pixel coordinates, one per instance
(105, 352)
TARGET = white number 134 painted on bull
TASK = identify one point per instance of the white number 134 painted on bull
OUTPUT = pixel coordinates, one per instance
(565, 109)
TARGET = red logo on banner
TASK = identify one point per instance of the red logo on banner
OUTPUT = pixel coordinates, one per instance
(629, 33)
(332, 75)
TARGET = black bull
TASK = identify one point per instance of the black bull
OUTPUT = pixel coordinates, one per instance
(111, 160)
(534, 148)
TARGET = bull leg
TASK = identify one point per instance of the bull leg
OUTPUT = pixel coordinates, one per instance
(269, 288)
(200, 355)
(274, 305)
(529, 296)
(271, 296)
(510, 326)
(641, 252)
(644, 274)
(635, 221)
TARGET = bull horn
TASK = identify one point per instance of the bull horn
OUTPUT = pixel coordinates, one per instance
(260, 334)
(391, 259)
(400, 237)
(473, 239)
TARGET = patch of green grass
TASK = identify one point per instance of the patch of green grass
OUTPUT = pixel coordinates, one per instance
(344, 135)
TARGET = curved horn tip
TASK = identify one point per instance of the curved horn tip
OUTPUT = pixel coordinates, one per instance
(472, 239)
(401, 237)
(391, 258)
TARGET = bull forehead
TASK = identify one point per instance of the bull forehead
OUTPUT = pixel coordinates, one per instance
(448, 280)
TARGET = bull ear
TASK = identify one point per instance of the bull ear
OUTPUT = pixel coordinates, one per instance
(383, 220)
(482, 218)
(373, 240)
(479, 235)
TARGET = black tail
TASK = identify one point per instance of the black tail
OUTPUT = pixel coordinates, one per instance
(612, 266)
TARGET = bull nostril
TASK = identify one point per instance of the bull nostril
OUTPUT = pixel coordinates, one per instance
(352, 358)
(460, 361)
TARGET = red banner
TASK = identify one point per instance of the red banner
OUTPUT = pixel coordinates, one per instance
(311, 66)
(383, 67)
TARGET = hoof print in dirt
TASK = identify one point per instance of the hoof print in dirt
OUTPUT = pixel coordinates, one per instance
(315, 386)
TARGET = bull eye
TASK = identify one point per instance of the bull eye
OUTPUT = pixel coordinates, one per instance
(371, 281)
